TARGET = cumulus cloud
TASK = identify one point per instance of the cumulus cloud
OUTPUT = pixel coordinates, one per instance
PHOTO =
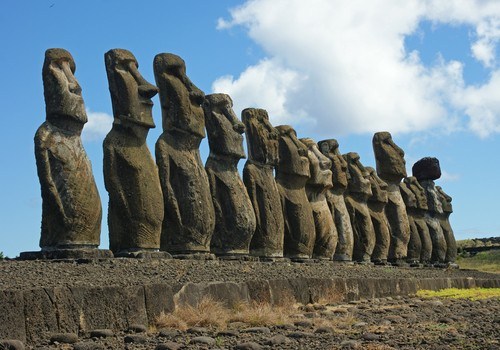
(273, 83)
(341, 66)
(98, 125)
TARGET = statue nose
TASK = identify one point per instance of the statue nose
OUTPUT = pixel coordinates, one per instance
(239, 128)
(75, 88)
(147, 90)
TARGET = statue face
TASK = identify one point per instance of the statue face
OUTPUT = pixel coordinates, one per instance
(130, 93)
(391, 165)
(445, 200)
(262, 137)
(225, 131)
(378, 187)
(330, 148)
(293, 154)
(358, 176)
(181, 101)
(319, 165)
(418, 191)
(63, 94)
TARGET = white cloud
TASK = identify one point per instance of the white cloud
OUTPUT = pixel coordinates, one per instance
(449, 177)
(343, 65)
(98, 125)
(272, 84)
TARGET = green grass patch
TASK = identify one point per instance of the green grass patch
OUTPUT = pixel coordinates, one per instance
(455, 293)
(488, 261)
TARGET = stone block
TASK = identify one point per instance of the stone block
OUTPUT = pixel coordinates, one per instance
(12, 311)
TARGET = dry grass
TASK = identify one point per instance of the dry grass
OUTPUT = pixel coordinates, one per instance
(208, 313)
(262, 314)
(215, 315)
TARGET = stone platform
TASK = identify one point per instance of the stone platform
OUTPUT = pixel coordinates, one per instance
(38, 298)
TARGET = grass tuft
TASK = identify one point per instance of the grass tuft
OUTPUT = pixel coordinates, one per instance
(207, 313)
(455, 293)
(262, 314)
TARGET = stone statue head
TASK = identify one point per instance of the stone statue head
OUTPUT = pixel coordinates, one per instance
(391, 165)
(225, 131)
(358, 176)
(262, 137)
(293, 154)
(181, 101)
(330, 148)
(63, 94)
(130, 93)
(445, 200)
(319, 165)
(426, 169)
(419, 192)
(409, 197)
(378, 186)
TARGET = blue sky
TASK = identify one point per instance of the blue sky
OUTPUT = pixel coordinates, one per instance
(427, 72)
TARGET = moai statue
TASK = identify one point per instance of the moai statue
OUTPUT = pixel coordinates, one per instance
(234, 215)
(444, 219)
(417, 213)
(336, 202)
(376, 203)
(415, 244)
(71, 207)
(391, 168)
(262, 144)
(135, 212)
(318, 184)
(426, 170)
(356, 197)
(292, 173)
(189, 212)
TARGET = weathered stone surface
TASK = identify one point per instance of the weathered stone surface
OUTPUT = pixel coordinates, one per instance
(418, 215)
(433, 223)
(229, 293)
(444, 219)
(203, 341)
(101, 333)
(11, 344)
(65, 338)
(391, 168)
(234, 214)
(316, 187)
(189, 212)
(427, 169)
(391, 165)
(71, 206)
(42, 320)
(262, 144)
(13, 325)
(109, 307)
(336, 202)
(292, 173)
(356, 196)
(135, 211)
(415, 243)
(159, 298)
(376, 204)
